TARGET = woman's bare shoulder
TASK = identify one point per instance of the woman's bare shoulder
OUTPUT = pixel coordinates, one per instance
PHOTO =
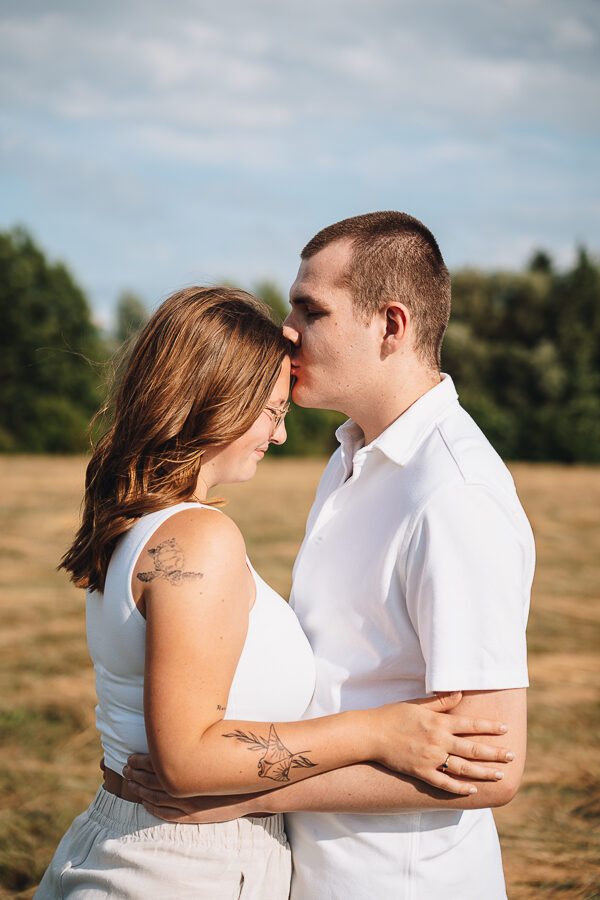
(194, 536)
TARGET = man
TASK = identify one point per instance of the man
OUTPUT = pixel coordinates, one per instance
(414, 574)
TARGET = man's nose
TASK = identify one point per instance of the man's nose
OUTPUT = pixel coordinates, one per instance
(291, 332)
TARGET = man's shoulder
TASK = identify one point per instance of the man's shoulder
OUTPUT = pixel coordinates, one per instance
(454, 466)
(456, 452)
(461, 483)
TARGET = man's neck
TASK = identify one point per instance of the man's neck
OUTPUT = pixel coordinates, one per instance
(391, 401)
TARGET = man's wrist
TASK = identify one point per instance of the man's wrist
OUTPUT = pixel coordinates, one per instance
(265, 803)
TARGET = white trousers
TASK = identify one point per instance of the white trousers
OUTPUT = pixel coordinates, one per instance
(116, 849)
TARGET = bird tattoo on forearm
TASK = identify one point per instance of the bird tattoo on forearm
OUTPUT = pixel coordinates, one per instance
(277, 760)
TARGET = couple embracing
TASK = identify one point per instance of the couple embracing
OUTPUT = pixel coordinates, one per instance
(383, 710)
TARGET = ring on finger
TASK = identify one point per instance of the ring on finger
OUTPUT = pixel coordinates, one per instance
(444, 765)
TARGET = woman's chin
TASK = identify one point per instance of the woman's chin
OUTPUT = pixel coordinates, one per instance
(247, 472)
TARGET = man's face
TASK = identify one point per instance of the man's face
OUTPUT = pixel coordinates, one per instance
(334, 350)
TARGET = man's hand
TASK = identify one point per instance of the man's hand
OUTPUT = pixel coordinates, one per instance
(144, 784)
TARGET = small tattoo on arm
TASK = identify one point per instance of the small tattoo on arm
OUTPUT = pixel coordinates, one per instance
(168, 563)
(220, 708)
(276, 760)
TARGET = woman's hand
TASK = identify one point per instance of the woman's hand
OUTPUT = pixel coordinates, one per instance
(418, 739)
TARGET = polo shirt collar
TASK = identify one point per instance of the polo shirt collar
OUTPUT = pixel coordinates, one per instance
(402, 438)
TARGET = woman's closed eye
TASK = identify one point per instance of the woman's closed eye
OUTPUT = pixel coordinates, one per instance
(277, 415)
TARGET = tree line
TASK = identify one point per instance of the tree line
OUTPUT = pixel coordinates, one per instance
(522, 347)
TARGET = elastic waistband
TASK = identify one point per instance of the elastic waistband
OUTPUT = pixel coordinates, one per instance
(126, 818)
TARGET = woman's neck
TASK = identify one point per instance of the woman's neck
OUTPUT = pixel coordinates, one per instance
(202, 489)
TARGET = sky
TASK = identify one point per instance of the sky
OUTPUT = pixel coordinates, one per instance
(151, 145)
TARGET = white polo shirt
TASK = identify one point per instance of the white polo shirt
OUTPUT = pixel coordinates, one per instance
(414, 576)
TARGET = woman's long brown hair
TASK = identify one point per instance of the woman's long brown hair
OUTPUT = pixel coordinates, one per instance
(199, 376)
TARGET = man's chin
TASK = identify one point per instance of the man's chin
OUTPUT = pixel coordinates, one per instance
(303, 396)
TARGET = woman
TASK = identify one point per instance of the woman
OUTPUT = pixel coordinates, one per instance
(184, 634)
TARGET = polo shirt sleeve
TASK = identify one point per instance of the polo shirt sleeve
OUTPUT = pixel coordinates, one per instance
(468, 580)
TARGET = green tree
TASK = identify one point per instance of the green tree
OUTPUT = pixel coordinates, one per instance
(541, 262)
(49, 387)
(524, 350)
(131, 316)
(273, 296)
(522, 347)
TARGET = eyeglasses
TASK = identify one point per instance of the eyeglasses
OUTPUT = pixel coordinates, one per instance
(277, 415)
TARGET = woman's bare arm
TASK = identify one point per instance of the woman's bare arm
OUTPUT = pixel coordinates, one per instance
(368, 788)
(364, 788)
(197, 615)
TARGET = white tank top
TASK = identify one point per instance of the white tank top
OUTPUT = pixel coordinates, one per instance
(275, 675)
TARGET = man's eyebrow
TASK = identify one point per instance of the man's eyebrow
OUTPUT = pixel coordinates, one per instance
(303, 300)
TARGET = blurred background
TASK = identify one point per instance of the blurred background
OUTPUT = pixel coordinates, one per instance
(146, 147)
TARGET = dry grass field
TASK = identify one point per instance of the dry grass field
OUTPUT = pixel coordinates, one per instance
(49, 751)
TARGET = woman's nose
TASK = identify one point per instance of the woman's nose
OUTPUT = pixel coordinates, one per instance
(279, 436)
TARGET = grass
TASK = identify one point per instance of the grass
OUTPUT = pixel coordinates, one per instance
(49, 750)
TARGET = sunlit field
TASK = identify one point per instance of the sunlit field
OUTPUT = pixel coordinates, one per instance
(49, 750)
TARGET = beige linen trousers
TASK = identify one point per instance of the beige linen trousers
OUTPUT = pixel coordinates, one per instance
(116, 849)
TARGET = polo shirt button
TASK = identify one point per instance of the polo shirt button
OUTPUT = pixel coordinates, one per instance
(319, 539)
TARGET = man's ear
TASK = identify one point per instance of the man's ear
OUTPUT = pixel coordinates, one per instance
(396, 323)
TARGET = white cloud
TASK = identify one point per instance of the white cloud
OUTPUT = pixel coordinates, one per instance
(573, 34)
(382, 60)
(242, 150)
(273, 118)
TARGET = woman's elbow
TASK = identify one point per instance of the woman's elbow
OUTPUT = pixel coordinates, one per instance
(171, 781)
(177, 787)
(175, 776)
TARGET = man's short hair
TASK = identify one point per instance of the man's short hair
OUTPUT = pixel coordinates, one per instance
(395, 258)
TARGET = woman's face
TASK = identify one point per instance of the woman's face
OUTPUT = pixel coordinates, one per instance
(237, 461)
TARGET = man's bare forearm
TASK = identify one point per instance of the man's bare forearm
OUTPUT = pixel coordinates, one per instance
(362, 788)
(367, 788)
